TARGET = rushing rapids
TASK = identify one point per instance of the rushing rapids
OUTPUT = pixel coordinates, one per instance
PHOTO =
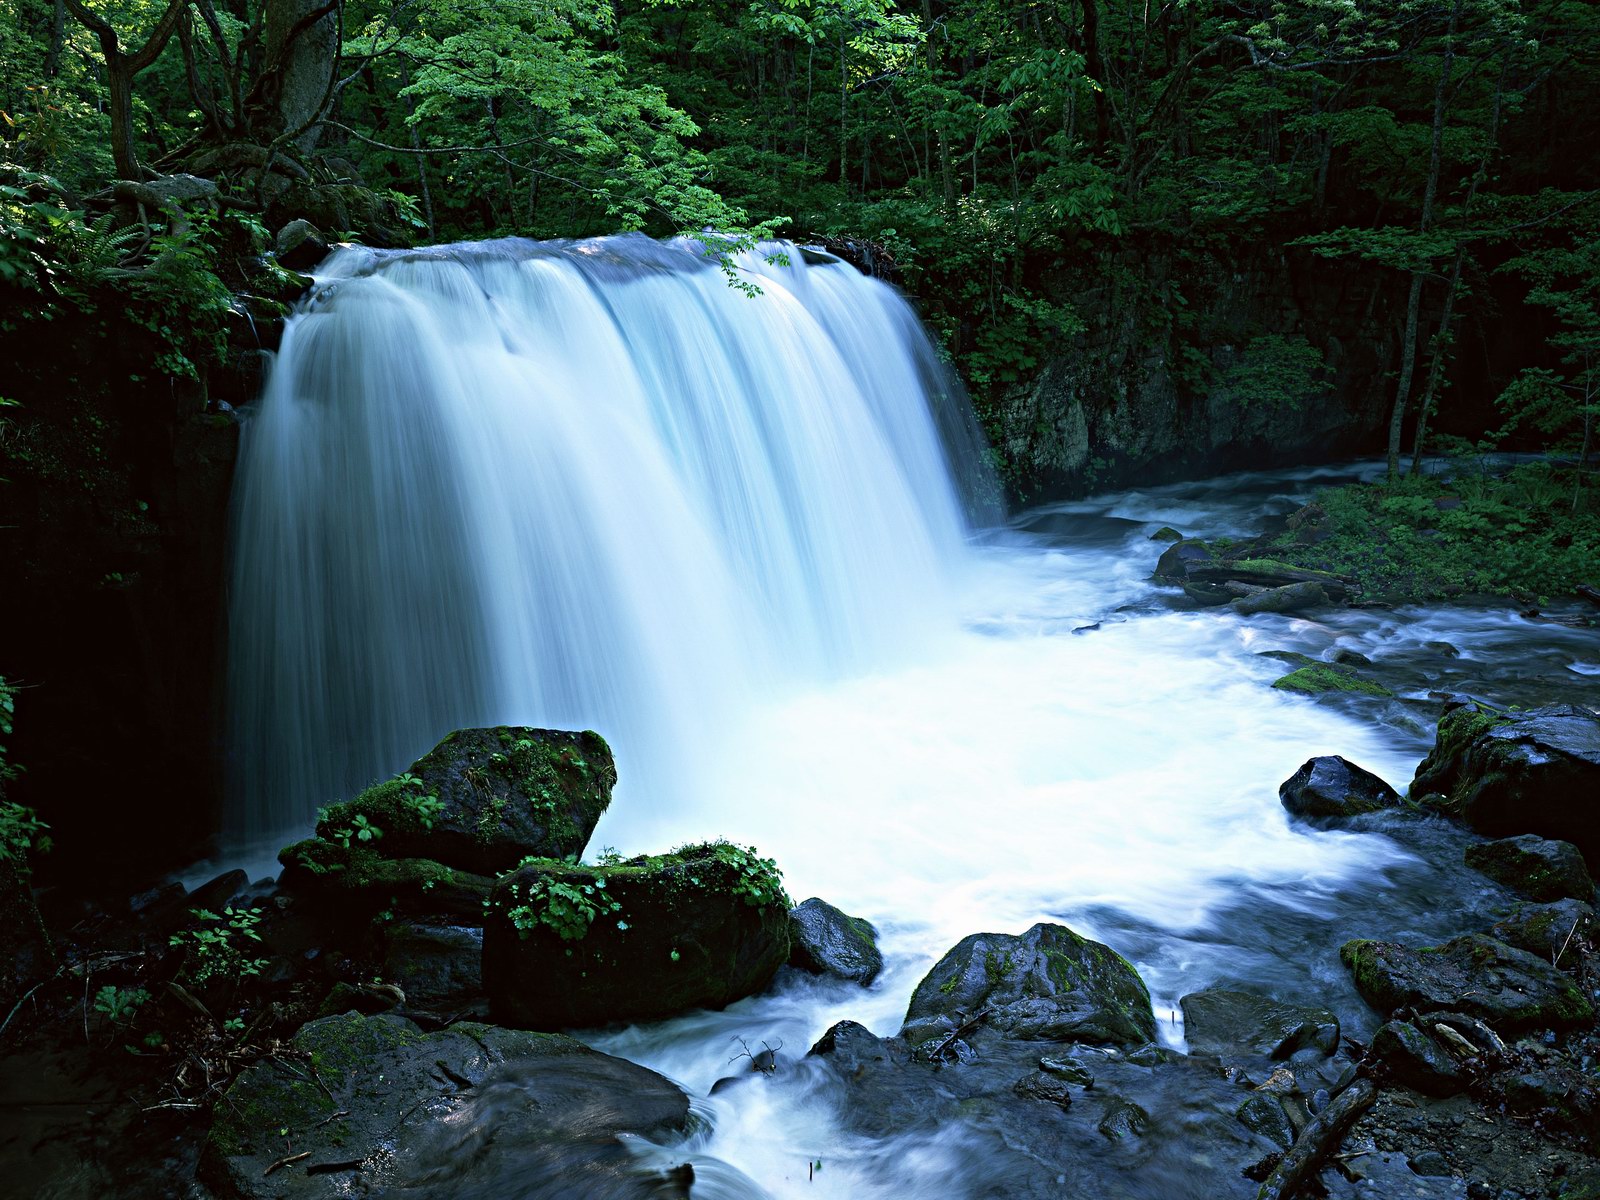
(593, 486)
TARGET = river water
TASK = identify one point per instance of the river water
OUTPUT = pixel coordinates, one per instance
(744, 538)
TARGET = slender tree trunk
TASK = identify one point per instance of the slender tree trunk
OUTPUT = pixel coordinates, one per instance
(1441, 342)
(1408, 351)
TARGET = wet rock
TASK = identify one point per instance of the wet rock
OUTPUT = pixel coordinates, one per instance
(1508, 988)
(570, 945)
(1219, 1021)
(1551, 931)
(1069, 1069)
(1123, 1119)
(1541, 869)
(1166, 534)
(1294, 597)
(825, 941)
(1416, 1061)
(484, 799)
(1047, 985)
(1040, 1086)
(375, 1106)
(1431, 1163)
(1509, 773)
(1331, 787)
(1263, 1114)
(439, 967)
(349, 884)
(1349, 658)
(1175, 561)
(300, 245)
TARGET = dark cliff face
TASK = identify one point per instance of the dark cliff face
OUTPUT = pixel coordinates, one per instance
(116, 493)
(1179, 374)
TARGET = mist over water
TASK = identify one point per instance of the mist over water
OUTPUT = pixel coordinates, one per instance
(590, 485)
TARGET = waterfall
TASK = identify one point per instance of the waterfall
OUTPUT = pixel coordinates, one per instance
(578, 485)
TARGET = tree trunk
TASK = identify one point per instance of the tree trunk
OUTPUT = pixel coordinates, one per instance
(1408, 353)
(302, 48)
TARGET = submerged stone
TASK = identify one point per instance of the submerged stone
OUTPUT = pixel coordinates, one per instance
(1049, 984)
(825, 941)
(571, 945)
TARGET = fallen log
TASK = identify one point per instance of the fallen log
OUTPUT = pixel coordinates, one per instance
(1320, 1139)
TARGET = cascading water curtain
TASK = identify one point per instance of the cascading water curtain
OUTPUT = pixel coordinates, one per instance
(582, 485)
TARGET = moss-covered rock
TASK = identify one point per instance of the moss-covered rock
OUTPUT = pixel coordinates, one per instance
(825, 941)
(1222, 1021)
(1291, 597)
(377, 1106)
(1508, 988)
(1322, 678)
(1330, 787)
(1541, 869)
(482, 800)
(361, 881)
(570, 945)
(1050, 984)
(1506, 773)
(1554, 932)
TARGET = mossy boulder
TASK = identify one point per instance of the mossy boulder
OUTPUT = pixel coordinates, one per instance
(569, 945)
(1508, 988)
(377, 1106)
(1049, 984)
(438, 967)
(825, 941)
(1528, 772)
(1291, 597)
(482, 800)
(1224, 1021)
(1555, 932)
(358, 881)
(1542, 869)
(1331, 787)
(1324, 678)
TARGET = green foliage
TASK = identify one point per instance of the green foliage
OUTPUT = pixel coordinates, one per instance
(1275, 371)
(566, 909)
(118, 1004)
(218, 949)
(1426, 538)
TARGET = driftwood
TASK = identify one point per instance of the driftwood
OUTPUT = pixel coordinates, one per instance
(956, 1034)
(1320, 1139)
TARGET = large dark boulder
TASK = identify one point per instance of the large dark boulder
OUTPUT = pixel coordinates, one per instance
(825, 941)
(370, 1105)
(1222, 1021)
(482, 800)
(569, 945)
(1541, 869)
(1331, 787)
(1508, 773)
(1047, 985)
(1508, 988)
(438, 967)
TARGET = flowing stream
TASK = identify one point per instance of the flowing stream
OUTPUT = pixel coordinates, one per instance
(592, 485)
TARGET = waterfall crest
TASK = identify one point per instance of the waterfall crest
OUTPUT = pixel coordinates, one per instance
(581, 485)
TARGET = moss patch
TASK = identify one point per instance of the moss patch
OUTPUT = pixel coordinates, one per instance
(1322, 678)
